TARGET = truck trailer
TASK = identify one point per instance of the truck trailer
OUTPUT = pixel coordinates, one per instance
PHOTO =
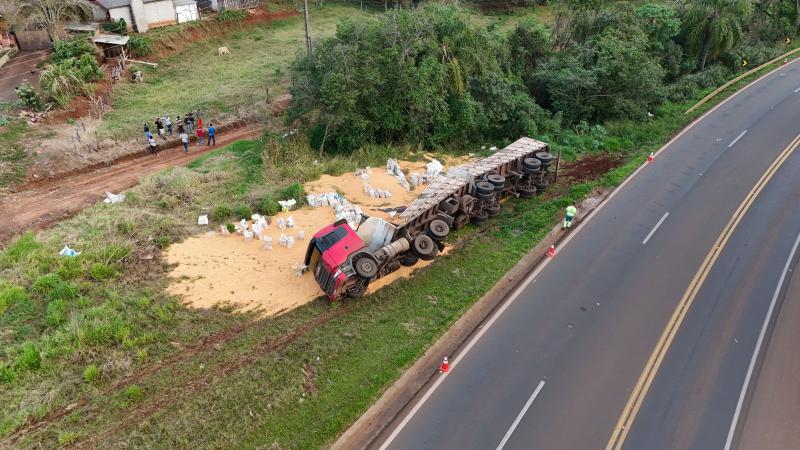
(345, 260)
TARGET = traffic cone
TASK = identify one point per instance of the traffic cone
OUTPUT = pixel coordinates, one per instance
(445, 367)
(651, 157)
(552, 252)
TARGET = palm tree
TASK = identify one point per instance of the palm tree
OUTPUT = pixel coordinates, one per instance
(716, 25)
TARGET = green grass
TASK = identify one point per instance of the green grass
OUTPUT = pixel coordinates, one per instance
(13, 159)
(195, 77)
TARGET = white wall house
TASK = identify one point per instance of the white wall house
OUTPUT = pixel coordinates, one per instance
(141, 15)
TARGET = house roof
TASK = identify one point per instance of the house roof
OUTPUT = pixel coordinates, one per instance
(110, 4)
(88, 27)
(116, 39)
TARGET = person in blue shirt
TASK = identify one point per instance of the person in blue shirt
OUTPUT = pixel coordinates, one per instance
(212, 134)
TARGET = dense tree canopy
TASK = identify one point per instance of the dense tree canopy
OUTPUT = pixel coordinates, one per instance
(429, 76)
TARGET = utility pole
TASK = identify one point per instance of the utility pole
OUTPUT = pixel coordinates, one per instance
(308, 35)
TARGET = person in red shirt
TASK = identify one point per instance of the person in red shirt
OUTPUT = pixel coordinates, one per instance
(199, 122)
(200, 133)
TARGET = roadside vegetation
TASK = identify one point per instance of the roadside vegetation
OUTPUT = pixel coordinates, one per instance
(98, 331)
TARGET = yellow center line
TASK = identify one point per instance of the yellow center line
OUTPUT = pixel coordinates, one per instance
(650, 370)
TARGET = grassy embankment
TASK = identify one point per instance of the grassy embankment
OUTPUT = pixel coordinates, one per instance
(196, 77)
(100, 328)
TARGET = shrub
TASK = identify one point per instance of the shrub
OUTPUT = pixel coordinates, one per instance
(61, 81)
(231, 15)
(242, 212)
(91, 373)
(118, 26)
(230, 227)
(132, 394)
(56, 312)
(100, 271)
(29, 358)
(45, 284)
(11, 295)
(7, 374)
(139, 45)
(74, 47)
(268, 206)
(295, 191)
(29, 97)
(220, 213)
(67, 438)
(163, 241)
(19, 249)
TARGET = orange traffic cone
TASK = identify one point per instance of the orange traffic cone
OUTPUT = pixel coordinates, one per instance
(552, 251)
(651, 157)
(445, 367)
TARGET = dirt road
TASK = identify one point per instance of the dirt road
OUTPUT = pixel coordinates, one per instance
(17, 70)
(43, 203)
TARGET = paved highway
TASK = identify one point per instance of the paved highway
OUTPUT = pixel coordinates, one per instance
(652, 328)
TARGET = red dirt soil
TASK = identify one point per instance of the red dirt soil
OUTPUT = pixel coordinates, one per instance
(41, 204)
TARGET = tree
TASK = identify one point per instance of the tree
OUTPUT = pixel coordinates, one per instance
(50, 14)
(716, 25)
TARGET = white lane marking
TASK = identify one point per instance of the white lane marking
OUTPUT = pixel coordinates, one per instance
(520, 415)
(737, 139)
(797, 90)
(759, 342)
(454, 361)
(653, 231)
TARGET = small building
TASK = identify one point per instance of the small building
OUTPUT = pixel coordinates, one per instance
(141, 15)
(111, 44)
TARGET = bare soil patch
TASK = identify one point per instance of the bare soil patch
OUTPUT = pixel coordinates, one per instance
(591, 167)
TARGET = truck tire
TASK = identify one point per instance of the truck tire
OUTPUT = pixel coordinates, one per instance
(529, 192)
(365, 265)
(409, 259)
(484, 187)
(448, 208)
(493, 210)
(545, 157)
(461, 220)
(542, 185)
(438, 229)
(498, 181)
(485, 197)
(531, 165)
(480, 216)
(424, 247)
(358, 289)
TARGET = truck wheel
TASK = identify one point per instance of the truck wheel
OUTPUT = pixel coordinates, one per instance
(498, 181)
(358, 289)
(545, 157)
(484, 187)
(480, 216)
(460, 221)
(527, 192)
(365, 265)
(409, 259)
(493, 210)
(542, 185)
(438, 229)
(485, 196)
(424, 247)
(531, 165)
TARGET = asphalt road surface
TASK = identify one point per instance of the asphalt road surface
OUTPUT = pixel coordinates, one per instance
(659, 310)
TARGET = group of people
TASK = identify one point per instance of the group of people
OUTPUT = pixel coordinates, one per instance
(188, 125)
